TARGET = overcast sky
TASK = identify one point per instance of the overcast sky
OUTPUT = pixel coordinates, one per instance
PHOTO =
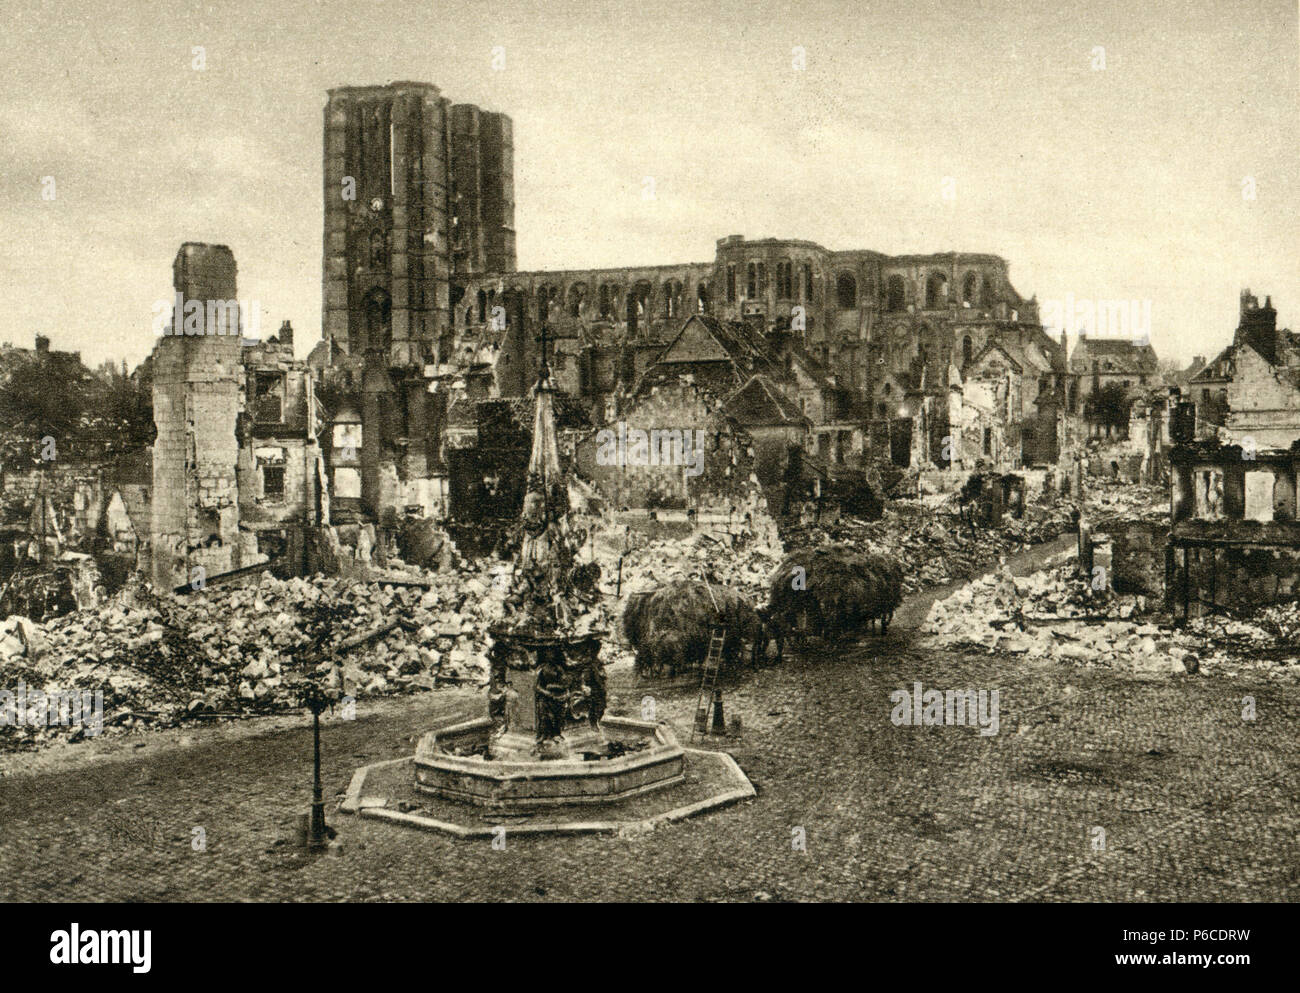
(1123, 182)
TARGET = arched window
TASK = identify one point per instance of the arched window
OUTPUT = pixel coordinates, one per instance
(888, 389)
(638, 306)
(988, 297)
(895, 293)
(846, 291)
(482, 306)
(672, 298)
(785, 280)
(546, 295)
(577, 299)
(969, 287)
(751, 283)
(967, 350)
(936, 291)
(379, 328)
(807, 282)
(731, 284)
(702, 298)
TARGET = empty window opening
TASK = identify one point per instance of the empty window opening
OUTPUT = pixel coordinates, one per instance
(270, 397)
(895, 293)
(846, 291)
(936, 291)
(273, 483)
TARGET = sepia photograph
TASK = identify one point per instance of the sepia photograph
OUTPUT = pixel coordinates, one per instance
(596, 453)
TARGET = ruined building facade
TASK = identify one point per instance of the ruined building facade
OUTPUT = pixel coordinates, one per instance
(419, 200)
(196, 385)
(238, 474)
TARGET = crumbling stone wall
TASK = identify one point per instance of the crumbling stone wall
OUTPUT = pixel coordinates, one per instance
(1138, 560)
(196, 386)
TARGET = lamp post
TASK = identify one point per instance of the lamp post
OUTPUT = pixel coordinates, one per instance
(319, 688)
(316, 834)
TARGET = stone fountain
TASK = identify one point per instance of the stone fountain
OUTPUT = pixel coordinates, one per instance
(545, 741)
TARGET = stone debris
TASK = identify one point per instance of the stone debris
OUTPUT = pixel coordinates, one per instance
(932, 544)
(1055, 615)
(1111, 500)
(226, 650)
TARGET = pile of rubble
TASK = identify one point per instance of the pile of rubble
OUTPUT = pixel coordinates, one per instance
(742, 560)
(1054, 614)
(1110, 500)
(226, 651)
(933, 544)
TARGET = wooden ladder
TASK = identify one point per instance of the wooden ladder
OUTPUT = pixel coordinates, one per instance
(709, 680)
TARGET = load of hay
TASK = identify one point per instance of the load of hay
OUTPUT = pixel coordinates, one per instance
(833, 592)
(669, 627)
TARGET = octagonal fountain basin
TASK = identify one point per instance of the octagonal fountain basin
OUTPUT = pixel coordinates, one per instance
(464, 762)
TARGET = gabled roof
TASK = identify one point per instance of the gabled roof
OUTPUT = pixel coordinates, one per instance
(993, 346)
(759, 403)
(1282, 373)
(1209, 373)
(726, 351)
(1114, 355)
(811, 365)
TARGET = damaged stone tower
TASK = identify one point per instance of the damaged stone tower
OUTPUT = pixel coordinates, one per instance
(419, 197)
(196, 378)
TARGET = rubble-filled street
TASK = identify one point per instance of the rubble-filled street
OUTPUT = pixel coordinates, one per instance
(1196, 803)
(222, 653)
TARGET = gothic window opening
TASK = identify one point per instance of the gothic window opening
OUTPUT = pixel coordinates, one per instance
(895, 294)
(785, 280)
(577, 299)
(936, 291)
(846, 291)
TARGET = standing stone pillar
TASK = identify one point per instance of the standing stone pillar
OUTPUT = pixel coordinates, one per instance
(1182, 496)
(1234, 492)
(1284, 490)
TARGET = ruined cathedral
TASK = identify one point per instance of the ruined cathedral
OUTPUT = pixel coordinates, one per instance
(845, 356)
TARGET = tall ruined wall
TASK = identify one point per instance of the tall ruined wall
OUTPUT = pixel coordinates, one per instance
(196, 379)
